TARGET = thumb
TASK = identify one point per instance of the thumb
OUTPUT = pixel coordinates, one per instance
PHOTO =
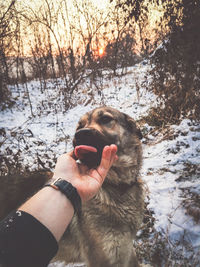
(108, 156)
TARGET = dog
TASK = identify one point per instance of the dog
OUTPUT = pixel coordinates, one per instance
(102, 234)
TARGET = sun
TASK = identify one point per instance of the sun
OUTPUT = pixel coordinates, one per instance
(101, 51)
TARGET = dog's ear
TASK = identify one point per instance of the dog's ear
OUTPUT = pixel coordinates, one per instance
(132, 127)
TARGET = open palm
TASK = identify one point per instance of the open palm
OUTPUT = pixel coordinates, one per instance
(87, 181)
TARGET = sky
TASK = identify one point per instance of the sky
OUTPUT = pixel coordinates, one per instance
(101, 3)
(95, 16)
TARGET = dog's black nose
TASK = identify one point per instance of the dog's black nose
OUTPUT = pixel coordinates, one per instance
(84, 134)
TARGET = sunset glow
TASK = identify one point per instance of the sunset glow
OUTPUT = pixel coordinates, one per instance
(65, 24)
(101, 51)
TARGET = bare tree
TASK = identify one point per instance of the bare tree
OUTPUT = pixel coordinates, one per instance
(6, 33)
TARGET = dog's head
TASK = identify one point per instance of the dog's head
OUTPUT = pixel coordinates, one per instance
(104, 126)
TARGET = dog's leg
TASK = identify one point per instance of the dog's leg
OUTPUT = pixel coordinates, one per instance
(120, 250)
(110, 248)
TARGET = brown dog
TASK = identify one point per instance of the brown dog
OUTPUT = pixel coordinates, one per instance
(102, 235)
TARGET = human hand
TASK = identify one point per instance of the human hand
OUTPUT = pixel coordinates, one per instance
(87, 181)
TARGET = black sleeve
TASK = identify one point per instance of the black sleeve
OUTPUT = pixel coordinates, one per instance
(25, 242)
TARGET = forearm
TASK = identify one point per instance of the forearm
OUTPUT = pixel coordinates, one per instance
(28, 236)
(52, 209)
(24, 241)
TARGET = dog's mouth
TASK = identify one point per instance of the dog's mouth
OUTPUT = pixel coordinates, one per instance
(88, 146)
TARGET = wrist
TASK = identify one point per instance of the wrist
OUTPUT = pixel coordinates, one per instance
(69, 191)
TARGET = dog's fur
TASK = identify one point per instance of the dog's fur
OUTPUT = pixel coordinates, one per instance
(102, 235)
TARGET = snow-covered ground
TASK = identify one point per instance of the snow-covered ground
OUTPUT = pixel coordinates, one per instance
(171, 170)
(171, 166)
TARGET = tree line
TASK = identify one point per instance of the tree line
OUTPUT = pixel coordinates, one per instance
(176, 63)
(53, 39)
(62, 38)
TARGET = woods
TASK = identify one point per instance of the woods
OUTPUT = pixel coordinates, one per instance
(62, 39)
(175, 62)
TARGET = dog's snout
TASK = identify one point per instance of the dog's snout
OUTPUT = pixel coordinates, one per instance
(90, 137)
(85, 132)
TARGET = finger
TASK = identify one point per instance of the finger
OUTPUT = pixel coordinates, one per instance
(104, 165)
(114, 157)
(106, 160)
(106, 157)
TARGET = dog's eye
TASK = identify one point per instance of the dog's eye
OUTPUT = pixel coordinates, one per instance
(106, 119)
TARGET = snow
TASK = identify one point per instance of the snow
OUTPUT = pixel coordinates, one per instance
(169, 155)
(164, 162)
